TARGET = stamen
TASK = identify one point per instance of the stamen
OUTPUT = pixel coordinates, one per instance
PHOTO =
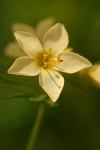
(45, 56)
(59, 59)
(45, 64)
(46, 59)
(49, 49)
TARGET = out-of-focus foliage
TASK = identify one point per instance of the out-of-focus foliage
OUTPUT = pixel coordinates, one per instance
(75, 123)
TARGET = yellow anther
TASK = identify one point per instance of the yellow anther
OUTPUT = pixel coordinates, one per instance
(59, 59)
(49, 49)
(45, 64)
(46, 60)
(45, 55)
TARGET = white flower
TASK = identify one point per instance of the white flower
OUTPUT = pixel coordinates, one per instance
(94, 74)
(13, 49)
(47, 59)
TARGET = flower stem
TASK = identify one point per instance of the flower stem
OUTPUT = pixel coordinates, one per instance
(35, 129)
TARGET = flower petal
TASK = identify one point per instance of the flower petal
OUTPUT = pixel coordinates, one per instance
(52, 82)
(24, 66)
(13, 50)
(72, 62)
(44, 25)
(56, 39)
(29, 43)
(68, 49)
(94, 74)
(22, 27)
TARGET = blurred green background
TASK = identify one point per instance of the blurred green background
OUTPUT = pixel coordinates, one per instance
(75, 123)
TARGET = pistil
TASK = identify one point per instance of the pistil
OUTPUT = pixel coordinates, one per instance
(46, 59)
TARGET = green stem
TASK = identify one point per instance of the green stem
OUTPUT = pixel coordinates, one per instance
(36, 127)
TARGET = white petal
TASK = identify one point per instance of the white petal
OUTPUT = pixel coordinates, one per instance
(44, 25)
(22, 27)
(52, 82)
(13, 50)
(56, 38)
(29, 43)
(72, 63)
(24, 66)
(94, 74)
(69, 49)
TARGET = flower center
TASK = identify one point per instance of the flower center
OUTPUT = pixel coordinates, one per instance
(46, 60)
